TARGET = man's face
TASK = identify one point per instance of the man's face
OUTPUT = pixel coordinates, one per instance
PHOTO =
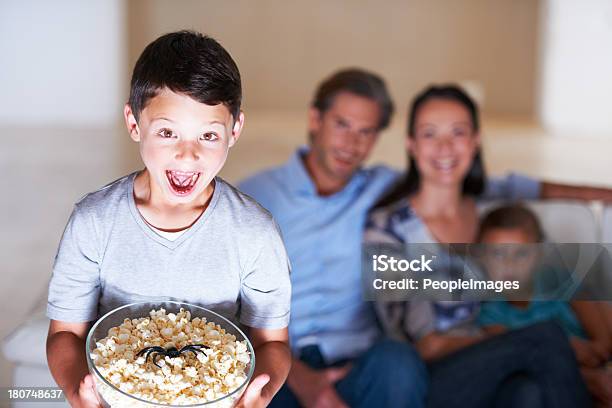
(344, 135)
(183, 144)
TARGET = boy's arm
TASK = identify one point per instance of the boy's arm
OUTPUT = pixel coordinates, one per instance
(273, 362)
(68, 364)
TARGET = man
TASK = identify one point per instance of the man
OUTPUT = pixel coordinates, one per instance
(321, 198)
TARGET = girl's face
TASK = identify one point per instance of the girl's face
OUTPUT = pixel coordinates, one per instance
(510, 254)
(444, 142)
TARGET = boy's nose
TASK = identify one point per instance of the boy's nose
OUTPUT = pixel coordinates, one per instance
(187, 151)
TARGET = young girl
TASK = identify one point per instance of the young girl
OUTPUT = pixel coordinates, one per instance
(438, 203)
(582, 321)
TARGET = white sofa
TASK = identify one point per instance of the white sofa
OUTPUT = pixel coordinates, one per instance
(25, 348)
(562, 221)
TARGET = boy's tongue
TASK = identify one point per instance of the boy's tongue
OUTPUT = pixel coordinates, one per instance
(180, 178)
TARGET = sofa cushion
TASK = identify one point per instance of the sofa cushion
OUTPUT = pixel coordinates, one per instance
(563, 221)
(34, 376)
(27, 344)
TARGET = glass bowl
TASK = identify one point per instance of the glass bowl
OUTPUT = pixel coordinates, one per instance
(110, 395)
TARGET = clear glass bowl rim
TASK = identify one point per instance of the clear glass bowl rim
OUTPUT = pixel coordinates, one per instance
(93, 367)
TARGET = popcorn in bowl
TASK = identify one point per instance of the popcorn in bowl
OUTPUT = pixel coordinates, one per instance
(174, 354)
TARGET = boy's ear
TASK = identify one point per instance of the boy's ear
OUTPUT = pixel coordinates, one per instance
(237, 129)
(130, 122)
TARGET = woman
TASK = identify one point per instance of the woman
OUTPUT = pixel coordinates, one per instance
(438, 203)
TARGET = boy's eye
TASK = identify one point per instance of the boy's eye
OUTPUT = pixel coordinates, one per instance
(166, 133)
(209, 137)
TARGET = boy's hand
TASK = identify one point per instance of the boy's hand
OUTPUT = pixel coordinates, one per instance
(254, 396)
(586, 354)
(86, 396)
(317, 388)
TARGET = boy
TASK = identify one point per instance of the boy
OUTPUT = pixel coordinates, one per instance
(174, 230)
(510, 233)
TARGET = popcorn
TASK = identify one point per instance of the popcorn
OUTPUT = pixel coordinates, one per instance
(191, 378)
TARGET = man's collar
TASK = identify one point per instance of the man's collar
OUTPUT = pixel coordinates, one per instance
(301, 183)
(299, 179)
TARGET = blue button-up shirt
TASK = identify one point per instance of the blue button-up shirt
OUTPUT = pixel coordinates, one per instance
(323, 238)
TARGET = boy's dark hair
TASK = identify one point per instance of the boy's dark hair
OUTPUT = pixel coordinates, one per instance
(190, 63)
(474, 181)
(358, 82)
(513, 216)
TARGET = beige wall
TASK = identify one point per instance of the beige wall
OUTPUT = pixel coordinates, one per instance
(284, 48)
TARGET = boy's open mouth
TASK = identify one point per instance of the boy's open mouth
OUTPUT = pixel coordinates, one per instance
(182, 182)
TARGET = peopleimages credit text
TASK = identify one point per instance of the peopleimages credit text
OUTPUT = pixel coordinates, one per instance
(385, 263)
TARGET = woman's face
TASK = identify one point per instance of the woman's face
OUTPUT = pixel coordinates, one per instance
(444, 142)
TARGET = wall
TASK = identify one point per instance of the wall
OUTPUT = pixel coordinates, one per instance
(61, 62)
(576, 67)
(285, 48)
(62, 84)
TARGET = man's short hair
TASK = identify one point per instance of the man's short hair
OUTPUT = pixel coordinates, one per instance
(189, 63)
(358, 82)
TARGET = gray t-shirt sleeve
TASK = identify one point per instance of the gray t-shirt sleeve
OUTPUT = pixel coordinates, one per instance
(265, 294)
(75, 283)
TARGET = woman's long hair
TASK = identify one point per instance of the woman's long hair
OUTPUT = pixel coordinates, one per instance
(474, 182)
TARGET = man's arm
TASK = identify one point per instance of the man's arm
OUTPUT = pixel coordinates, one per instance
(519, 187)
(316, 388)
(568, 192)
(68, 364)
(273, 362)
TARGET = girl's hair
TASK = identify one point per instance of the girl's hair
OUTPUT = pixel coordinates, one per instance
(474, 182)
(512, 216)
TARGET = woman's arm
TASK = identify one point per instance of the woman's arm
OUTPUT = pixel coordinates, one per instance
(436, 345)
(273, 362)
(495, 329)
